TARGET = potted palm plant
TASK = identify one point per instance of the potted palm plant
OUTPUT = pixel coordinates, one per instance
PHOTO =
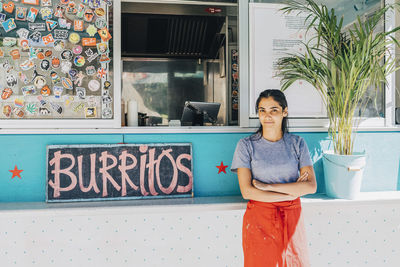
(342, 63)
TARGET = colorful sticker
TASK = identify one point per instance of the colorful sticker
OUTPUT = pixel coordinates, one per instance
(46, 13)
(101, 73)
(102, 48)
(30, 2)
(48, 39)
(11, 80)
(67, 83)
(61, 34)
(9, 41)
(20, 13)
(94, 85)
(64, 24)
(100, 23)
(55, 62)
(45, 91)
(35, 37)
(54, 77)
(19, 112)
(90, 70)
(64, 2)
(7, 110)
(107, 113)
(32, 14)
(59, 45)
(59, 12)
(58, 91)
(79, 78)
(39, 81)
(2, 17)
(23, 77)
(91, 30)
(100, 12)
(77, 49)
(48, 53)
(15, 54)
(56, 107)
(66, 54)
(90, 112)
(51, 24)
(104, 59)
(19, 102)
(27, 65)
(72, 73)
(41, 100)
(8, 7)
(9, 25)
(71, 8)
(88, 41)
(78, 25)
(41, 27)
(31, 108)
(1, 53)
(44, 111)
(46, 3)
(81, 11)
(7, 92)
(81, 92)
(89, 15)
(45, 65)
(107, 84)
(74, 38)
(28, 90)
(79, 61)
(66, 66)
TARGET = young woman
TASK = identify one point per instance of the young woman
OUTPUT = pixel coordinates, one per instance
(274, 169)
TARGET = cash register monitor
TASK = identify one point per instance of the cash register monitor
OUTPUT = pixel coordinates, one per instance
(198, 113)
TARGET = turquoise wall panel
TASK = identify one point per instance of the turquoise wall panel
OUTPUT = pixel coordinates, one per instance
(28, 152)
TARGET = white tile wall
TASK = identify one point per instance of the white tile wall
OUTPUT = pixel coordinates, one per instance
(339, 235)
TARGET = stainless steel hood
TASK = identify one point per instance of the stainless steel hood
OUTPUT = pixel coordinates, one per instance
(173, 30)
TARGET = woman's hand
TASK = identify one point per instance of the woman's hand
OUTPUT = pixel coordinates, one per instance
(259, 185)
(303, 177)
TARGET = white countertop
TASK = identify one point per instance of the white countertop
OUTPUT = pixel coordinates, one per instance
(180, 204)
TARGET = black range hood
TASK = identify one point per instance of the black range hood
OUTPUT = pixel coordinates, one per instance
(171, 36)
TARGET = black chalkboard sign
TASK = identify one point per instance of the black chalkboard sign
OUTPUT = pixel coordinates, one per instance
(120, 171)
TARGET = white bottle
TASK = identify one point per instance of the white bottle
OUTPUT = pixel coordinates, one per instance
(132, 114)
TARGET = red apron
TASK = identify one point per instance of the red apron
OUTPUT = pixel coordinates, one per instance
(274, 235)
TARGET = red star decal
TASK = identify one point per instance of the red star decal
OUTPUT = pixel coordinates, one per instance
(16, 172)
(222, 167)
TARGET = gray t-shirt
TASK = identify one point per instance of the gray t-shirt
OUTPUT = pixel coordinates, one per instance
(272, 162)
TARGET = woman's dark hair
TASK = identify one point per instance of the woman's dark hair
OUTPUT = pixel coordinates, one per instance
(279, 97)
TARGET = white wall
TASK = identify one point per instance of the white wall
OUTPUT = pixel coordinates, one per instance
(340, 233)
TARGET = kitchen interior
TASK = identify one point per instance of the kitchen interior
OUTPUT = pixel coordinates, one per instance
(179, 63)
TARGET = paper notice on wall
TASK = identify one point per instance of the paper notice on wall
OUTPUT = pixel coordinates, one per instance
(273, 35)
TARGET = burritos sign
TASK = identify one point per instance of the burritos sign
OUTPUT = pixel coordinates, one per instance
(120, 171)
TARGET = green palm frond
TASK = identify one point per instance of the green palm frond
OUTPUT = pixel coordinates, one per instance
(340, 63)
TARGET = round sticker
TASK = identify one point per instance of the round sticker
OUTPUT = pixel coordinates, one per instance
(79, 61)
(59, 45)
(72, 73)
(100, 23)
(66, 54)
(39, 82)
(45, 64)
(74, 38)
(77, 49)
(48, 53)
(94, 85)
(99, 11)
